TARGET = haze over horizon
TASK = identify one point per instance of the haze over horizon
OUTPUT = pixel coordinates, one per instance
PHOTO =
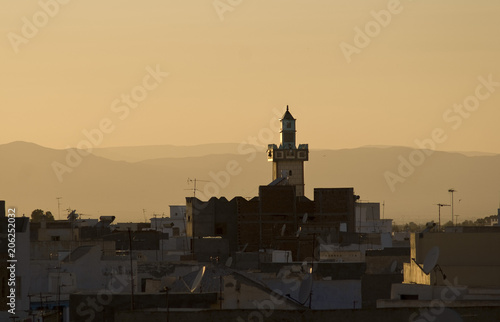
(418, 74)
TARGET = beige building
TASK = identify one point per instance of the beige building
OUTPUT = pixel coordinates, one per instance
(472, 258)
(467, 272)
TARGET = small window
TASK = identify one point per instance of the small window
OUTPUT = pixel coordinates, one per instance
(290, 172)
(55, 238)
(220, 229)
(288, 125)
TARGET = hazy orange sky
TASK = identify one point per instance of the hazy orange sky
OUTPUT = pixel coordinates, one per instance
(229, 70)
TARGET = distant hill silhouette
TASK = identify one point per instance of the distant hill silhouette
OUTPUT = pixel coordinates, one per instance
(152, 178)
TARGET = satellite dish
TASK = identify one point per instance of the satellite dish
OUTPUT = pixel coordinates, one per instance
(283, 230)
(297, 234)
(431, 260)
(244, 247)
(304, 219)
(305, 289)
(394, 266)
(197, 280)
(229, 261)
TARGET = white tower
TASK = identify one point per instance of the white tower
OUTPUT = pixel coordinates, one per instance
(288, 160)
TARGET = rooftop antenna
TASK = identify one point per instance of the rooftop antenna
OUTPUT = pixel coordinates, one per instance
(394, 266)
(430, 262)
(59, 207)
(305, 291)
(197, 280)
(442, 205)
(452, 191)
(194, 186)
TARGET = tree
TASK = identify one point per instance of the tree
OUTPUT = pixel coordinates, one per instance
(448, 224)
(38, 215)
(49, 216)
(467, 223)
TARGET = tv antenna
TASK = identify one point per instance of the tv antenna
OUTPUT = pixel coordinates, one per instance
(283, 230)
(394, 266)
(194, 181)
(305, 291)
(452, 191)
(59, 207)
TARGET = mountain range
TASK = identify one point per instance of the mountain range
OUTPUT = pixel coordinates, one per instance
(136, 183)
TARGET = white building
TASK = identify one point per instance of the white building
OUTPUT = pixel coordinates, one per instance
(368, 219)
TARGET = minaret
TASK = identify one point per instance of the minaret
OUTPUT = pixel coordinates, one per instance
(288, 160)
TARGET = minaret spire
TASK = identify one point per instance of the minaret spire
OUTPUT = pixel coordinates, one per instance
(288, 159)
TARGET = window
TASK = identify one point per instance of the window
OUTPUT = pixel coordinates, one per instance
(288, 125)
(220, 229)
(176, 231)
(55, 238)
(290, 172)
